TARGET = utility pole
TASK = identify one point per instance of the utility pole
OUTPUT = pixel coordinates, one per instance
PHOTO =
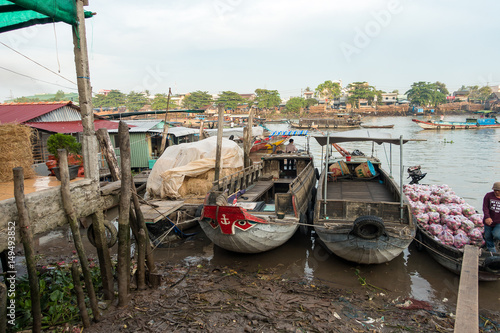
(89, 141)
(165, 125)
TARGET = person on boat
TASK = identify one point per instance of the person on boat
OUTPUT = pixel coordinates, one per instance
(491, 210)
(290, 148)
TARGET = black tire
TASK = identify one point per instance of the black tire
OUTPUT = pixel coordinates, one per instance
(368, 227)
(316, 172)
(466, 126)
(438, 127)
(452, 127)
(492, 264)
(418, 241)
(111, 234)
(198, 211)
(304, 229)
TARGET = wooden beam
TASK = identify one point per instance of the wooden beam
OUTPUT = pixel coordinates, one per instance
(467, 313)
(218, 154)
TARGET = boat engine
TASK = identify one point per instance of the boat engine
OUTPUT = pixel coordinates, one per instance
(415, 174)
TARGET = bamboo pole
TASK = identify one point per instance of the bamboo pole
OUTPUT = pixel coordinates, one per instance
(109, 152)
(80, 297)
(220, 127)
(75, 230)
(123, 269)
(27, 240)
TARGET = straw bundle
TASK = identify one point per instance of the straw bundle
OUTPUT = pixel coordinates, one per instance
(16, 150)
(201, 185)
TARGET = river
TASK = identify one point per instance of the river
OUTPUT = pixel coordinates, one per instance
(466, 160)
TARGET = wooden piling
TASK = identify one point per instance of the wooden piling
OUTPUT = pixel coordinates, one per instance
(218, 152)
(75, 230)
(80, 297)
(141, 258)
(109, 152)
(123, 268)
(105, 265)
(467, 312)
(247, 141)
(27, 240)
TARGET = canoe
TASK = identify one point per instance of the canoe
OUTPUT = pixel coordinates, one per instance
(451, 257)
(365, 219)
(334, 121)
(260, 208)
(470, 123)
(377, 126)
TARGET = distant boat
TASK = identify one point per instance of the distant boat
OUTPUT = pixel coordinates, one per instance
(338, 120)
(469, 123)
(377, 126)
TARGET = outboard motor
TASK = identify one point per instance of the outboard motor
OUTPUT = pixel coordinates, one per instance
(415, 174)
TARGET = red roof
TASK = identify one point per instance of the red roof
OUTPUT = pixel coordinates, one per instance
(23, 112)
(72, 126)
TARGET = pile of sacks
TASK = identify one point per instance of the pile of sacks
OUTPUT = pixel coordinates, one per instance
(445, 215)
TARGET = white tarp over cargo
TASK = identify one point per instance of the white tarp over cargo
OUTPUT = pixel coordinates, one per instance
(189, 159)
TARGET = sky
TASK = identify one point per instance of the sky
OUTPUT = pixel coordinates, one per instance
(244, 45)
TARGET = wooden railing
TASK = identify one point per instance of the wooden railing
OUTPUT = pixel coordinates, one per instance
(239, 180)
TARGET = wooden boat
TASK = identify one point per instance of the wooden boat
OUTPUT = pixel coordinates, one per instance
(334, 121)
(365, 220)
(377, 126)
(469, 123)
(267, 203)
(451, 257)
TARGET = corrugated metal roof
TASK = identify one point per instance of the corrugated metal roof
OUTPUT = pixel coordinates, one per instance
(72, 126)
(24, 112)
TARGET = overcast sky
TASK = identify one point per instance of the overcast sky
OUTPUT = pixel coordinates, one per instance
(243, 45)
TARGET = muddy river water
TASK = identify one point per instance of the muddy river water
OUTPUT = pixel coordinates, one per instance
(467, 161)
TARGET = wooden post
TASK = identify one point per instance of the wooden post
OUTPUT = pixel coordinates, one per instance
(467, 313)
(80, 296)
(123, 269)
(3, 307)
(89, 143)
(202, 130)
(105, 265)
(75, 230)
(218, 154)
(109, 153)
(165, 125)
(27, 239)
(248, 139)
(141, 258)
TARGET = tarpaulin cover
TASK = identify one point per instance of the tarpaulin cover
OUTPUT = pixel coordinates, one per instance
(16, 14)
(189, 159)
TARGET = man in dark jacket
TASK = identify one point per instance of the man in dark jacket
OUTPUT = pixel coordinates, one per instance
(491, 210)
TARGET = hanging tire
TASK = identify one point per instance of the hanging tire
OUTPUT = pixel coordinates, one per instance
(368, 227)
(316, 172)
(111, 234)
(452, 127)
(492, 264)
(466, 126)
(199, 209)
(418, 242)
(304, 229)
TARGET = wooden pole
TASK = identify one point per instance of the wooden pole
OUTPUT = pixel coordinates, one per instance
(27, 240)
(105, 265)
(141, 258)
(218, 154)
(89, 143)
(247, 143)
(123, 269)
(80, 296)
(75, 230)
(165, 125)
(109, 152)
(202, 132)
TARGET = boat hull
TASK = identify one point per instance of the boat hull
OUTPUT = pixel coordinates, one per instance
(448, 125)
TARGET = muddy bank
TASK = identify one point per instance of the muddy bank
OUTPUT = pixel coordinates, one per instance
(222, 299)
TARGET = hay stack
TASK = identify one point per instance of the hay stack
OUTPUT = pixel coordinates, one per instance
(199, 186)
(15, 150)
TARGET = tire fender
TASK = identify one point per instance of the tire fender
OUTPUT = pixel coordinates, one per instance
(111, 234)
(316, 172)
(368, 227)
(492, 264)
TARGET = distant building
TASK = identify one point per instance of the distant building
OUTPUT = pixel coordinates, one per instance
(308, 94)
(389, 98)
(250, 97)
(461, 95)
(495, 89)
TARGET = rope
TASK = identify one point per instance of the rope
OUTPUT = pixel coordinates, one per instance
(443, 255)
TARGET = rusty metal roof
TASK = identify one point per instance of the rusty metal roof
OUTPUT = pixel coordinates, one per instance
(24, 112)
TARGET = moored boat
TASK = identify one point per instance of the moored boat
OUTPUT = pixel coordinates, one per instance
(377, 126)
(334, 121)
(260, 208)
(360, 213)
(469, 123)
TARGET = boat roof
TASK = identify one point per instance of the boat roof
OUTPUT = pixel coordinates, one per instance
(358, 135)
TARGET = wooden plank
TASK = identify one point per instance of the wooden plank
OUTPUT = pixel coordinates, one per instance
(256, 191)
(467, 312)
(160, 209)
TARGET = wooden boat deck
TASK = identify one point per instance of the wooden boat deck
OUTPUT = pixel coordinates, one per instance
(359, 190)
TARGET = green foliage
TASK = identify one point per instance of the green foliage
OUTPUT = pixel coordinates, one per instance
(267, 99)
(160, 102)
(426, 93)
(328, 89)
(361, 90)
(26, 100)
(310, 102)
(63, 141)
(59, 96)
(478, 94)
(230, 99)
(197, 100)
(294, 104)
(114, 99)
(135, 101)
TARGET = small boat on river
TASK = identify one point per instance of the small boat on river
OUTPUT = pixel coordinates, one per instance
(360, 213)
(377, 126)
(259, 208)
(334, 121)
(469, 123)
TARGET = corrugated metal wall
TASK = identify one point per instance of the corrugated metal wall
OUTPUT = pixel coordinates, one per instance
(139, 150)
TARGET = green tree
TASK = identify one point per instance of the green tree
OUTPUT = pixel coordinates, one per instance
(135, 101)
(361, 90)
(484, 93)
(197, 100)
(267, 99)
(26, 100)
(310, 101)
(231, 99)
(421, 93)
(441, 87)
(59, 96)
(294, 105)
(329, 90)
(114, 99)
(160, 102)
